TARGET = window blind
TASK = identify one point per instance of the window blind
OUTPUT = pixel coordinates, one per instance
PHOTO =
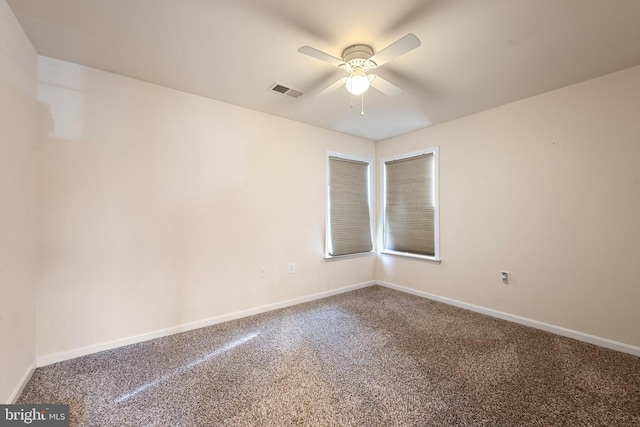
(349, 217)
(410, 205)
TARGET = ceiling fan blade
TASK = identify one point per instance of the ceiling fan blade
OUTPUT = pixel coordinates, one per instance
(396, 49)
(384, 86)
(332, 88)
(318, 54)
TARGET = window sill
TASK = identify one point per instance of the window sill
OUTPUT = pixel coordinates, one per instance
(411, 255)
(338, 257)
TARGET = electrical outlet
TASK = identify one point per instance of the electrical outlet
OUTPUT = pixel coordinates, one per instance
(292, 268)
(504, 276)
(263, 273)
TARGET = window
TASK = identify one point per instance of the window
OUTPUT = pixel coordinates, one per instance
(410, 205)
(348, 206)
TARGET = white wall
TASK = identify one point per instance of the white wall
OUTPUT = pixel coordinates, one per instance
(19, 119)
(549, 189)
(159, 207)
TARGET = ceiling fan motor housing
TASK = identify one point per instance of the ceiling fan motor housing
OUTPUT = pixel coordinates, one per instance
(357, 56)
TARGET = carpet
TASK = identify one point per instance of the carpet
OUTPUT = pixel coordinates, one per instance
(371, 357)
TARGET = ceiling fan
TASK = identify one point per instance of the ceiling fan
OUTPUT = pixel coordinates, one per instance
(358, 60)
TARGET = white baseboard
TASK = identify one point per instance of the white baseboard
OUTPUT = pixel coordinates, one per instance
(70, 354)
(558, 330)
(83, 351)
(22, 383)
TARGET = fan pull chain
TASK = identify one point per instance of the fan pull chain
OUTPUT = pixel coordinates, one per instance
(361, 103)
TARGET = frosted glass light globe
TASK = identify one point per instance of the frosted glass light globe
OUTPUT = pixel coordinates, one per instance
(358, 83)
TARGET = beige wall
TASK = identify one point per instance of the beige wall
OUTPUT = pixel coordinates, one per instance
(549, 189)
(158, 208)
(19, 119)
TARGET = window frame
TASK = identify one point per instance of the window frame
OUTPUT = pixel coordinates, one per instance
(327, 210)
(436, 196)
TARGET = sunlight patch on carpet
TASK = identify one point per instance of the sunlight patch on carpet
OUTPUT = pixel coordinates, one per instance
(186, 367)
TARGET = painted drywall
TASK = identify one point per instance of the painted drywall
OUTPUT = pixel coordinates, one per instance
(19, 118)
(158, 208)
(547, 188)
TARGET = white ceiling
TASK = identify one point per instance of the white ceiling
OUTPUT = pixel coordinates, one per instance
(475, 54)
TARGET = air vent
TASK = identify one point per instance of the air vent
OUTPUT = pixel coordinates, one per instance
(285, 90)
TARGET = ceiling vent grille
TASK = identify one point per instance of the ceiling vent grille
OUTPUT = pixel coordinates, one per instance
(285, 90)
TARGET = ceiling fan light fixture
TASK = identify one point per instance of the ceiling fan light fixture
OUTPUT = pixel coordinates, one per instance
(358, 82)
(357, 60)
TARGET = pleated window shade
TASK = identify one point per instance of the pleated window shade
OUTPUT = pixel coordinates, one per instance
(349, 216)
(410, 205)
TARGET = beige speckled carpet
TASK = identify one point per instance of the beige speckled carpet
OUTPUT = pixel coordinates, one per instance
(372, 357)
